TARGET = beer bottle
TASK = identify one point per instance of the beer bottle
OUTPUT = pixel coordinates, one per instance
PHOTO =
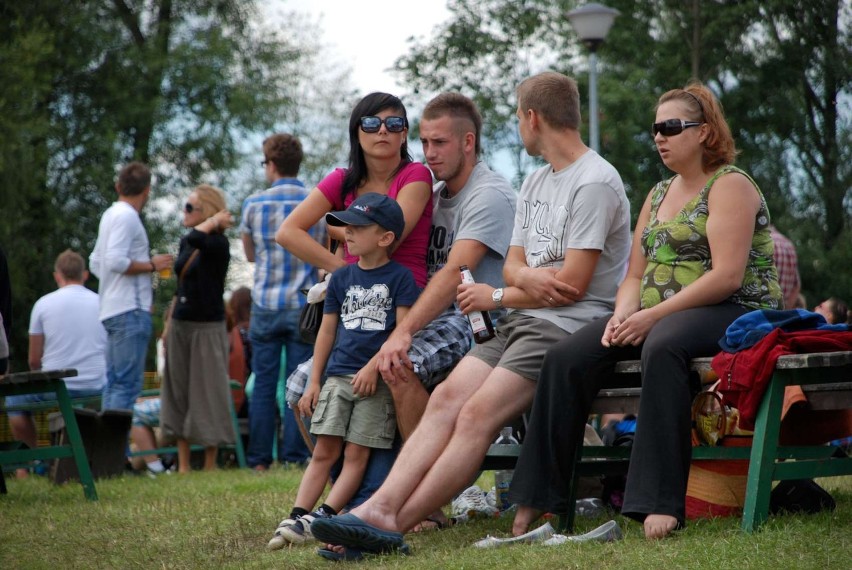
(480, 321)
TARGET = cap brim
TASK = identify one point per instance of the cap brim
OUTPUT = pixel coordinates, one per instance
(347, 218)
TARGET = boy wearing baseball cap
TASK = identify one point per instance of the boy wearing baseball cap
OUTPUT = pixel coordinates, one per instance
(363, 303)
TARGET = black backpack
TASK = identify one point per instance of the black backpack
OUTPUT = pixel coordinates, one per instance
(800, 496)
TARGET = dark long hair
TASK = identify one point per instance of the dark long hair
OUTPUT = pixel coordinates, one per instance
(371, 104)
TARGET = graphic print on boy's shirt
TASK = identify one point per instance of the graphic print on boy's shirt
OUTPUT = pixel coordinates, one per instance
(366, 309)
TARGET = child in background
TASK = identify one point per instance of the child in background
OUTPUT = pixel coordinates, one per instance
(363, 303)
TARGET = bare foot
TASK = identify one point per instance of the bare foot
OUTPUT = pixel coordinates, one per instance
(377, 516)
(659, 526)
(524, 517)
(435, 521)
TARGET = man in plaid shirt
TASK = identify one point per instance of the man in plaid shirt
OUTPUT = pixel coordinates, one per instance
(276, 299)
(787, 264)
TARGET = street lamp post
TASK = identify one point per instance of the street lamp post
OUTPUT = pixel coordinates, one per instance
(592, 22)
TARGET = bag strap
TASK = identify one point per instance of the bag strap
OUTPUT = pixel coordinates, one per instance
(186, 265)
(172, 305)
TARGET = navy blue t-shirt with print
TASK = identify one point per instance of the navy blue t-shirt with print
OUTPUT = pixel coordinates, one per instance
(365, 301)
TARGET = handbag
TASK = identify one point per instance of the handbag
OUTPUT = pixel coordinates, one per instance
(310, 318)
(716, 487)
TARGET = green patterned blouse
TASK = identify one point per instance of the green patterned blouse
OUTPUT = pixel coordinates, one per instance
(678, 252)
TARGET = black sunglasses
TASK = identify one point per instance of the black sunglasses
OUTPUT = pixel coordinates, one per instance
(372, 124)
(672, 127)
(264, 162)
(188, 208)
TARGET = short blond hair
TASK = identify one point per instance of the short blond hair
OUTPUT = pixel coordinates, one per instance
(554, 97)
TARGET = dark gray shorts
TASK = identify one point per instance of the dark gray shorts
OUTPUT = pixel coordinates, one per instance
(519, 345)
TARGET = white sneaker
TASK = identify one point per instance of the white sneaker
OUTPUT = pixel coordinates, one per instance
(607, 532)
(292, 531)
(540, 534)
(471, 502)
(278, 541)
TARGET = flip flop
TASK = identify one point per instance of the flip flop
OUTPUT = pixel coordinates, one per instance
(348, 554)
(439, 524)
(351, 554)
(350, 531)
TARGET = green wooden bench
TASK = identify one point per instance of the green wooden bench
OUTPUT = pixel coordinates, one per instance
(826, 379)
(42, 381)
(239, 450)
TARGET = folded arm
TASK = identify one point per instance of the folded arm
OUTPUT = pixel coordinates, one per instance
(293, 234)
(535, 287)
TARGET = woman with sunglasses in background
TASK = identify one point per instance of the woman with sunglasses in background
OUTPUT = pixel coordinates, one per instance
(195, 392)
(701, 257)
(378, 162)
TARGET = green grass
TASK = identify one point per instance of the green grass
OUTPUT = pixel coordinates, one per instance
(224, 520)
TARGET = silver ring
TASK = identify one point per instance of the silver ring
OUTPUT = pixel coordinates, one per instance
(550, 300)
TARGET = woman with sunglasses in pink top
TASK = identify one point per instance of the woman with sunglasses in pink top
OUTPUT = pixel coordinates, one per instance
(379, 161)
(701, 257)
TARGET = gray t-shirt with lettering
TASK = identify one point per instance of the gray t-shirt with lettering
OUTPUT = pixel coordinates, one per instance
(583, 206)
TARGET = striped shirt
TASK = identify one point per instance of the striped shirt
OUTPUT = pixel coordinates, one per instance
(279, 276)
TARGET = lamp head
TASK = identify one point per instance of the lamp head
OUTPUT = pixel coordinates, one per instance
(592, 23)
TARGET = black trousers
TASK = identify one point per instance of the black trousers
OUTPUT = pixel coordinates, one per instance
(573, 372)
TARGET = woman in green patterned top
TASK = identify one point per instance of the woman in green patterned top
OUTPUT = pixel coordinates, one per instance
(701, 257)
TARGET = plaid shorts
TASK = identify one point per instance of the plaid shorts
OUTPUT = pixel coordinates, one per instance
(434, 352)
(146, 413)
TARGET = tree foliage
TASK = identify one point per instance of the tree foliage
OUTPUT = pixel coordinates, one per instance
(779, 67)
(188, 86)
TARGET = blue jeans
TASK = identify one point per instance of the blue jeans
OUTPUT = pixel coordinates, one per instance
(45, 397)
(127, 344)
(270, 331)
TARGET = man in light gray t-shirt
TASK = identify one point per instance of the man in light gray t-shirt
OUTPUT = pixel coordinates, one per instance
(569, 249)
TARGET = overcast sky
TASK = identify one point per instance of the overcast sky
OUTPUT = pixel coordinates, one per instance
(369, 35)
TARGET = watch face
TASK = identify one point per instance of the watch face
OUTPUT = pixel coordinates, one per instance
(497, 295)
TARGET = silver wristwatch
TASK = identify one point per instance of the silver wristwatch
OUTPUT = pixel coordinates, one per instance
(497, 297)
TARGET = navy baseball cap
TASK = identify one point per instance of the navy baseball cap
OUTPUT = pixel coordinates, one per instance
(370, 208)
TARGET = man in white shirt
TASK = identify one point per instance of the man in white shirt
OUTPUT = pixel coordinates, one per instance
(122, 262)
(65, 332)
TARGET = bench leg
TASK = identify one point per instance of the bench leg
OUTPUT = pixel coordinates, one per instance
(76, 442)
(764, 453)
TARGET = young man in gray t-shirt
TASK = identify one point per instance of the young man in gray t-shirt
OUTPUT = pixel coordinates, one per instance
(471, 225)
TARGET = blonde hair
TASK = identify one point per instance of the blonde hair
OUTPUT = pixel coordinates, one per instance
(210, 199)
